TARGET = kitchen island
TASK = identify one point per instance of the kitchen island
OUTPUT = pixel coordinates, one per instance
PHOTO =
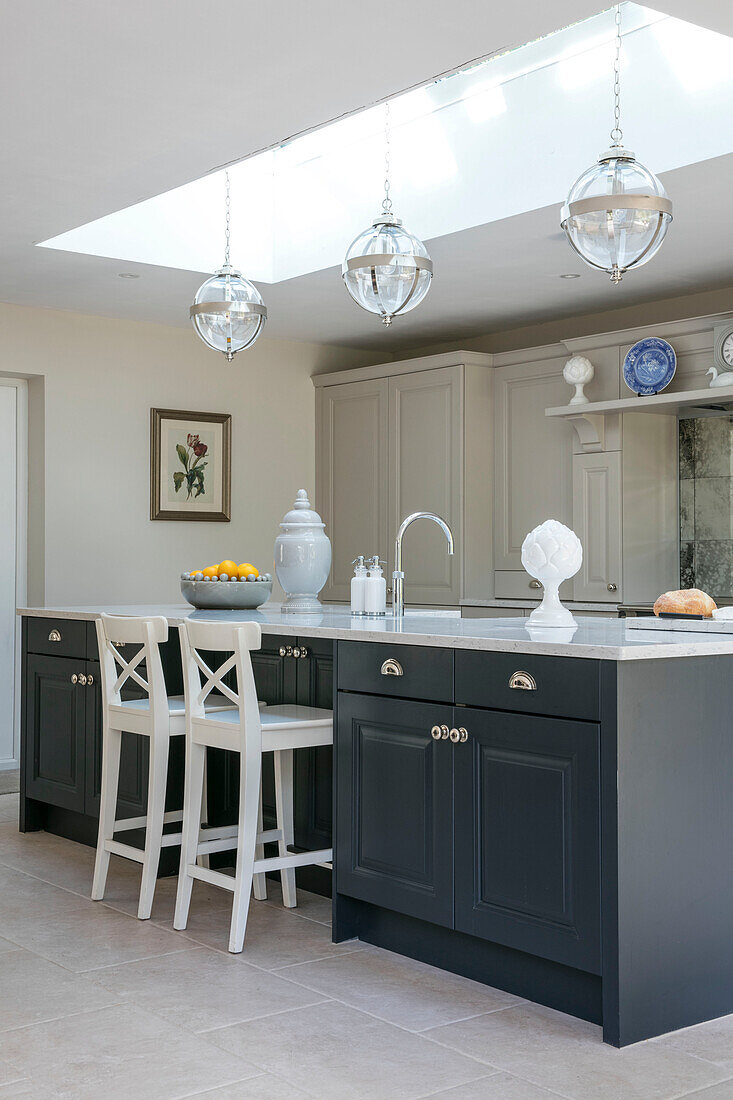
(545, 811)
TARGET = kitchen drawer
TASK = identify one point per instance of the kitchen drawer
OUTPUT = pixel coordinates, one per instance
(515, 584)
(566, 687)
(423, 672)
(57, 637)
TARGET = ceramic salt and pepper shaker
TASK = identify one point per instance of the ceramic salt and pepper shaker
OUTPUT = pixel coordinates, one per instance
(375, 604)
(552, 553)
(302, 556)
(358, 587)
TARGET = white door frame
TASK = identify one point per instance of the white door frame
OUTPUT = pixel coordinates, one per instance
(21, 546)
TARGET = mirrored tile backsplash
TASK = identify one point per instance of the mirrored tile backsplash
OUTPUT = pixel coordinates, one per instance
(706, 505)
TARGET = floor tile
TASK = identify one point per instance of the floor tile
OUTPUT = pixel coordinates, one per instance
(25, 899)
(499, 1086)
(568, 1056)
(712, 1041)
(275, 937)
(9, 782)
(122, 1052)
(312, 906)
(33, 989)
(54, 859)
(332, 1051)
(265, 1087)
(723, 1091)
(95, 936)
(9, 808)
(202, 989)
(399, 990)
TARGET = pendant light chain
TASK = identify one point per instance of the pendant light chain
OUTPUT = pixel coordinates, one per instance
(386, 201)
(227, 231)
(616, 132)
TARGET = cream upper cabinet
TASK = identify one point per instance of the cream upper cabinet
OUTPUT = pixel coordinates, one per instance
(597, 522)
(352, 475)
(414, 436)
(533, 457)
(425, 475)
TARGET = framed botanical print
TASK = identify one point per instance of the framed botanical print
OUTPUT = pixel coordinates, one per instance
(190, 465)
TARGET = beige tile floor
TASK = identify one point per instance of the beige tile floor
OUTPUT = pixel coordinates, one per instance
(94, 1003)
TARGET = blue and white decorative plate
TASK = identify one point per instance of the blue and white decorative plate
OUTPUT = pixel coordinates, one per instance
(649, 366)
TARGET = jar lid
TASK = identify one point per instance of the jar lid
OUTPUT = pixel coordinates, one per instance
(302, 514)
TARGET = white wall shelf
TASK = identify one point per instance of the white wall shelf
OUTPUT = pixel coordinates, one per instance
(719, 398)
(593, 421)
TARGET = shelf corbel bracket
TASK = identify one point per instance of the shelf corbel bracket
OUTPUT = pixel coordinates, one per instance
(590, 429)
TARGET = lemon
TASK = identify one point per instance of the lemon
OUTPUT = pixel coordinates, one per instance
(246, 570)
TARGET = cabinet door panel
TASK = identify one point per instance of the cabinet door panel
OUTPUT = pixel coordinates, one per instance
(426, 475)
(527, 835)
(54, 731)
(597, 522)
(351, 475)
(533, 455)
(395, 818)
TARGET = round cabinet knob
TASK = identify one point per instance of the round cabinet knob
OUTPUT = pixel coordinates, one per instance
(535, 584)
(462, 734)
(303, 651)
(435, 733)
(82, 679)
(296, 651)
(444, 733)
(74, 678)
(454, 736)
(282, 651)
(90, 681)
(612, 587)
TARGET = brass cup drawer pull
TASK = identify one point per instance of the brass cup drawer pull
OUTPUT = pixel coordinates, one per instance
(54, 635)
(522, 681)
(392, 668)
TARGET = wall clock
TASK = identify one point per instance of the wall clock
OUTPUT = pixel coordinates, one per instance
(723, 346)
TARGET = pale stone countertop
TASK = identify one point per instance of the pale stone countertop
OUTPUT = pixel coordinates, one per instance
(609, 639)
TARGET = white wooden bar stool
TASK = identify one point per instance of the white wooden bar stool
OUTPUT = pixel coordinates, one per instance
(250, 732)
(155, 716)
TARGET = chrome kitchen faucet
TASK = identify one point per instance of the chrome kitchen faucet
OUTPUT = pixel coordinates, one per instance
(398, 577)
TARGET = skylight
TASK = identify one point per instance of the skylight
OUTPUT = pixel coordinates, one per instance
(506, 136)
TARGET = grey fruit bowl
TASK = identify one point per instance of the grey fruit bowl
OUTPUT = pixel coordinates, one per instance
(226, 595)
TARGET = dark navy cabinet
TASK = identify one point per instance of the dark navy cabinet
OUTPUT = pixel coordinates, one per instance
(493, 831)
(55, 727)
(395, 806)
(527, 835)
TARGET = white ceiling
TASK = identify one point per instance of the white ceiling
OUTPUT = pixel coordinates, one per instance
(105, 105)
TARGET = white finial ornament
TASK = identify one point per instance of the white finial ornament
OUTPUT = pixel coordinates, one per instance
(551, 553)
(578, 372)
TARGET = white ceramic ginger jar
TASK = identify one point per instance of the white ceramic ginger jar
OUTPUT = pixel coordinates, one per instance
(302, 556)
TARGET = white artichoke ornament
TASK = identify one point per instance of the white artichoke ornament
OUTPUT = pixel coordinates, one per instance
(551, 553)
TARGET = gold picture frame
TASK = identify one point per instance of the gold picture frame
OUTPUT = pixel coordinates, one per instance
(190, 465)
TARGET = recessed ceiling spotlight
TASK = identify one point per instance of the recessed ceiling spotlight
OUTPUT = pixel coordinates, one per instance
(127, 275)
(570, 275)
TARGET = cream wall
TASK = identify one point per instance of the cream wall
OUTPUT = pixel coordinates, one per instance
(93, 382)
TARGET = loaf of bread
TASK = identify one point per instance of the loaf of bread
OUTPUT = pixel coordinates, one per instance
(687, 601)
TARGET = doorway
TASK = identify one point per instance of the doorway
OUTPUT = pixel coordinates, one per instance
(13, 529)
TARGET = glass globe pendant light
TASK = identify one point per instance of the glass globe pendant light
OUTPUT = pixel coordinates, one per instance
(386, 269)
(617, 213)
(228, 312)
